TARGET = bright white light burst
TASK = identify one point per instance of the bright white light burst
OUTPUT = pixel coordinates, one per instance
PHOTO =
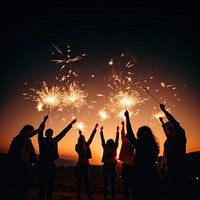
(46, 97)
(103, 115)
(74, 97)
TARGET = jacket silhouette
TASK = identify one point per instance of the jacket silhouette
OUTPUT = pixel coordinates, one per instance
(174, 156)
(21, 154)
(48, 152)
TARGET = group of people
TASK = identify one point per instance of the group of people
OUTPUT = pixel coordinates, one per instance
(138, 154)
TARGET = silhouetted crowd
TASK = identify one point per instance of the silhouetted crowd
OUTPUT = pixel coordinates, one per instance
(138, 155)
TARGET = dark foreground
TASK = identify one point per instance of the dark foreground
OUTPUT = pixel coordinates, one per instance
(65, 183)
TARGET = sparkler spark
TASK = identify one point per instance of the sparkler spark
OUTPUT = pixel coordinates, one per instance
(128, 99)
(74, 97)
(122, 87)
(80, 125)
(124, 100)
(162, 84)
(122, 95)
(103, 115)
(45, 97)
(67, 58)
(157, 115)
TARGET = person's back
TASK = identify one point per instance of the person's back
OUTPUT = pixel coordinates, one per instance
(110, 152)
(83, 153)
(109, 159)
(175, 156)
(126, 156)
(127, 152)
(48, 150)
(146, 178)
(48, 153)
(20, 154)
(82, 166)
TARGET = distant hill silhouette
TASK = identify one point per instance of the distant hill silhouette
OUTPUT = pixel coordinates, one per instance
(65, 163)
(193, 159)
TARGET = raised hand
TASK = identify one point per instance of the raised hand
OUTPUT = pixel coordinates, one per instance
(74, 121)
(126, 113)
(122, 123)
(96, 125)
(80, 132)
(117, 128)
(161, 119)
(45, 118)
(101, 128)
(162, 107)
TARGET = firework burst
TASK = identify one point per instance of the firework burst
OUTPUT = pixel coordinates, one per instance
(74, 97)
(103, 115)
(45, 97)
(123, 94)
(67, 58)
(80, 126)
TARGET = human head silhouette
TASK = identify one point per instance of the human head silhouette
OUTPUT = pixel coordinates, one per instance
(145, 134)
(27, 129)
(81, 139)
(110, 143)
(49, 133)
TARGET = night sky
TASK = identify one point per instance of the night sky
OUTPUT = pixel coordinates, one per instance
(162, 39)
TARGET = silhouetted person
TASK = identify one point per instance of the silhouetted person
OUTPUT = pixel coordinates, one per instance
(48, 152)
(126, 156)
(21, 153)
(174, 156)
(110, 161)
(82, 165)
(146, 178)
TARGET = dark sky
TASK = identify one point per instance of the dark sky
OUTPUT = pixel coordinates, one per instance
(116, 24)
(169, 30)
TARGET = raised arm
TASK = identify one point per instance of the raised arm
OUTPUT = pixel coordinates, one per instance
(80, 132)
(41, 128)
(117, 137)
(64, 131)
(161, 120)
(163, 125)
(92, 134)
(175, 124)
(102, 137)
(130, 134)
(122, 130)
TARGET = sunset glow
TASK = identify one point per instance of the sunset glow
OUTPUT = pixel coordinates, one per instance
(93, 65)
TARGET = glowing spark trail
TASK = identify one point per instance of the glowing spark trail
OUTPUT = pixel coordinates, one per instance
(124, 100)
(122, 95)
(46, 97)
(68, 58)
(158, 115)
(80, 125)
(74, 97)
(103, 115)
(150, 94)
